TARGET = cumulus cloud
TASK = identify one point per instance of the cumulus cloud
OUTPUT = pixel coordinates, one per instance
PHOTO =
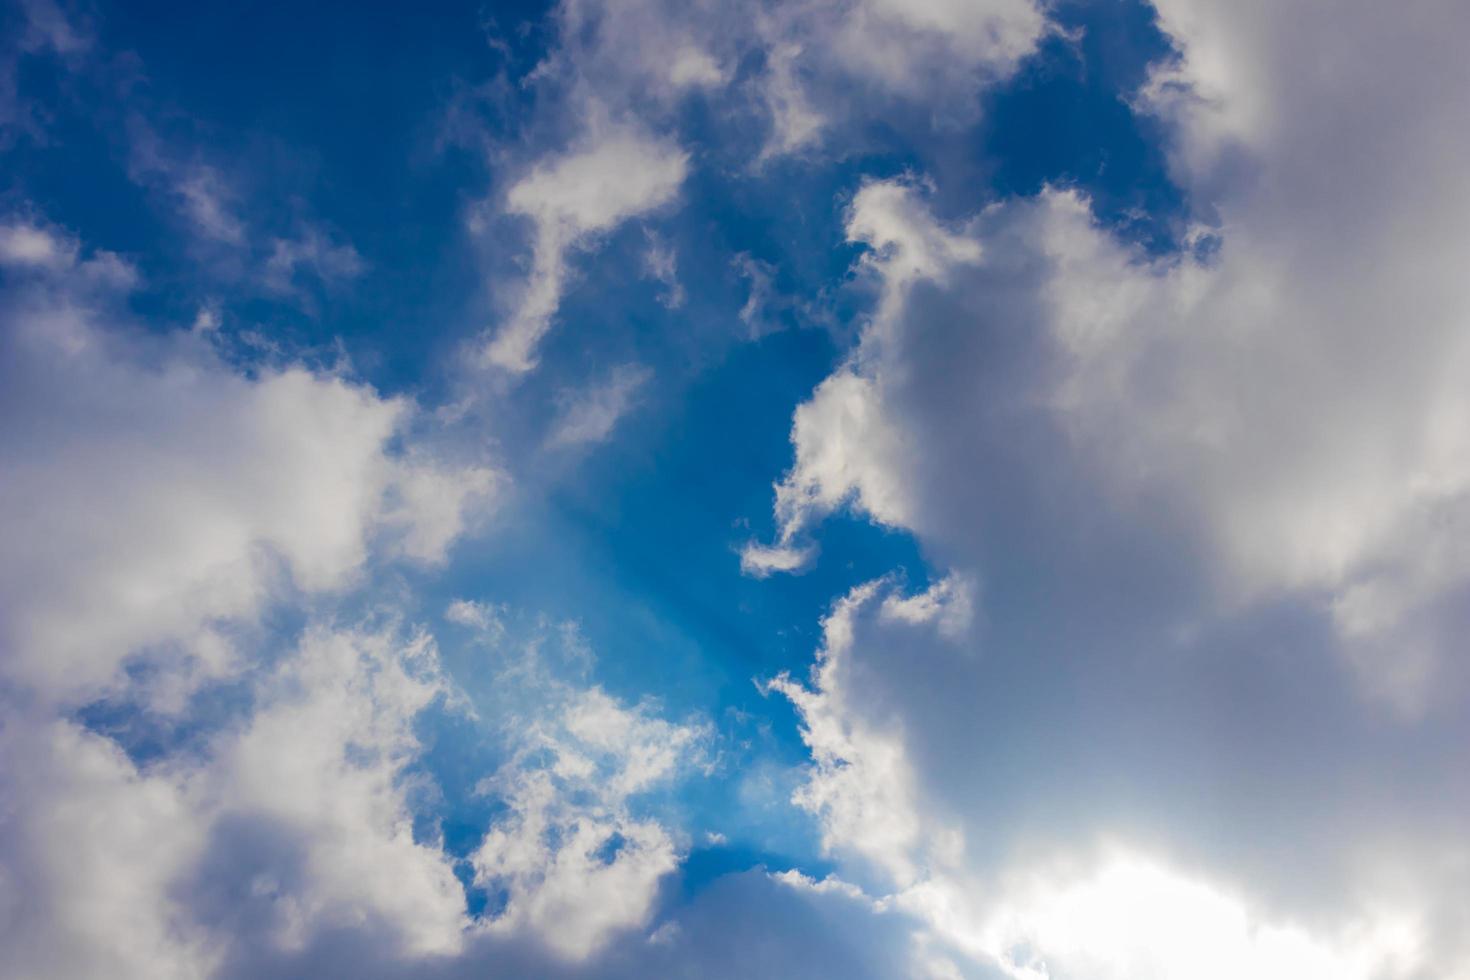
(1129, 916)
(252, 797)
(861, 787)
(575, 873)
(886, 792)
(826, 63)
(744, 924)
(313, 804)
(89, 848)
(1263, 392)
(847, 450)
(1233, 468)
(157, 503)
(576, 860)
(155, 493)
(1294, 392)
(290, 821)
(1203, 719)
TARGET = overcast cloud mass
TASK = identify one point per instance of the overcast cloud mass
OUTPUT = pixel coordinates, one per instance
(815, 489)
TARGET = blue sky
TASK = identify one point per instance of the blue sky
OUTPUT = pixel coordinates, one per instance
(806, 489)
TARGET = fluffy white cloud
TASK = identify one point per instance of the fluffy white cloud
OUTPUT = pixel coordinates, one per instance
(293, 820)
(614, 174)
(912, 48)
(862, 784)
(320, 763)
(1297, 393)
(166, 503)
(829, 61)
(573, 859)
(1293, 394)
(154, 493)
(848, 451)
(574, 874)
(1130, 917)
(818, 64)
(157, 502)
(89, 851)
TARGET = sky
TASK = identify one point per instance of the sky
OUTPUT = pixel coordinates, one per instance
(808, 489)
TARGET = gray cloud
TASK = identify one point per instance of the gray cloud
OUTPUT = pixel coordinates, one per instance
(1214, 500)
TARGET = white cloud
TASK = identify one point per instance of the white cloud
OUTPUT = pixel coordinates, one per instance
(907, 46)
(637, 50)
(1234, 469)
(154, 493)
(430, 503)
(762, 560)
(572, 198)
(819, 65)
(199, 191)
(89, 850)
(322, 760)
(1035, 908)
(827, 62)
(661, 264)
(577, 863)
(480, 616)
(312, 251)
(844, 453)
(294, 822)
(847, 450)
(795, 123)
(157, 502)
(862, 783)
(1297, 394)
(1131, 917)
(588, 416)
(1270, 392)
(51, 254)
(694, 67)
(25, 243)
